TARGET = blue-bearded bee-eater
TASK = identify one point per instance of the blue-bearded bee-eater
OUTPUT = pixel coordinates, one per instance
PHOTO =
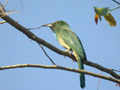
(71, 42)
(106, 13)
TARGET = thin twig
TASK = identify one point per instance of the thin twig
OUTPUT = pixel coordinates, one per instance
(115, 70)
(2, 22)
(2, 10)
(47, 55)
(116, 2)
(114, 8)
(101, 68)
(59, 68)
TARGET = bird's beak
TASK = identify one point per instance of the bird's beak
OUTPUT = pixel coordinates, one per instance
(47, 25)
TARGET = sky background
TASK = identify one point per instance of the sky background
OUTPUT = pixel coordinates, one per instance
(101, 43)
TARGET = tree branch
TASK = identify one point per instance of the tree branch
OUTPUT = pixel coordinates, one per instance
(38, 40)
(116, 2)
(47, 55)
(101, 68)
(59, 68)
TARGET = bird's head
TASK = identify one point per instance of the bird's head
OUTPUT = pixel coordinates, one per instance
(56, 25)
(101, 11)
(95, 9)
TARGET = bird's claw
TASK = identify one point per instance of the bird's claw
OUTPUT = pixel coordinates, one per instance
(68, 51)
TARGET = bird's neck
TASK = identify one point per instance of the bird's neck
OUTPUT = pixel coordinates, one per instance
(61, 28)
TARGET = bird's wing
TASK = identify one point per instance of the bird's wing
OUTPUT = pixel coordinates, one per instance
(71, 40)
(110, 19)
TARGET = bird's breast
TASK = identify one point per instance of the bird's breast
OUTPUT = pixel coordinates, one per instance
(62, 42)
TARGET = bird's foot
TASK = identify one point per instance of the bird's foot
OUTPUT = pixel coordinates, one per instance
(68, 51)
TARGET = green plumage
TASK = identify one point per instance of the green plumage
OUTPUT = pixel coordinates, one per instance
(102, 11)
(70, 41)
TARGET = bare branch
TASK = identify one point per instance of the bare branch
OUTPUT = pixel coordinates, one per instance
(47, 55)
(99, 67)
(116, 2)
(2, 22)
(115, 70)
(59, 68)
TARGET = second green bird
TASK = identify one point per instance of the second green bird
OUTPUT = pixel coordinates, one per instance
(71, 42)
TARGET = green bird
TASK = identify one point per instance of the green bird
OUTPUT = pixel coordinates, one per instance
(106, 13)
(71, 42)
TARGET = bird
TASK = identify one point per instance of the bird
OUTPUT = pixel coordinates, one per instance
(71, 42)
(106, 13)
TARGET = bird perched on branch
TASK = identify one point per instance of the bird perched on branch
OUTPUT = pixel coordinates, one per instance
(71, 42)
(106, 13)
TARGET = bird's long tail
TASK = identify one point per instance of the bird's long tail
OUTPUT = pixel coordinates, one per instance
(81, 66)
(82, 75)
(110, 19)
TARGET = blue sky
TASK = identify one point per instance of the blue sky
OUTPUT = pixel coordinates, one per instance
(101, 43)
